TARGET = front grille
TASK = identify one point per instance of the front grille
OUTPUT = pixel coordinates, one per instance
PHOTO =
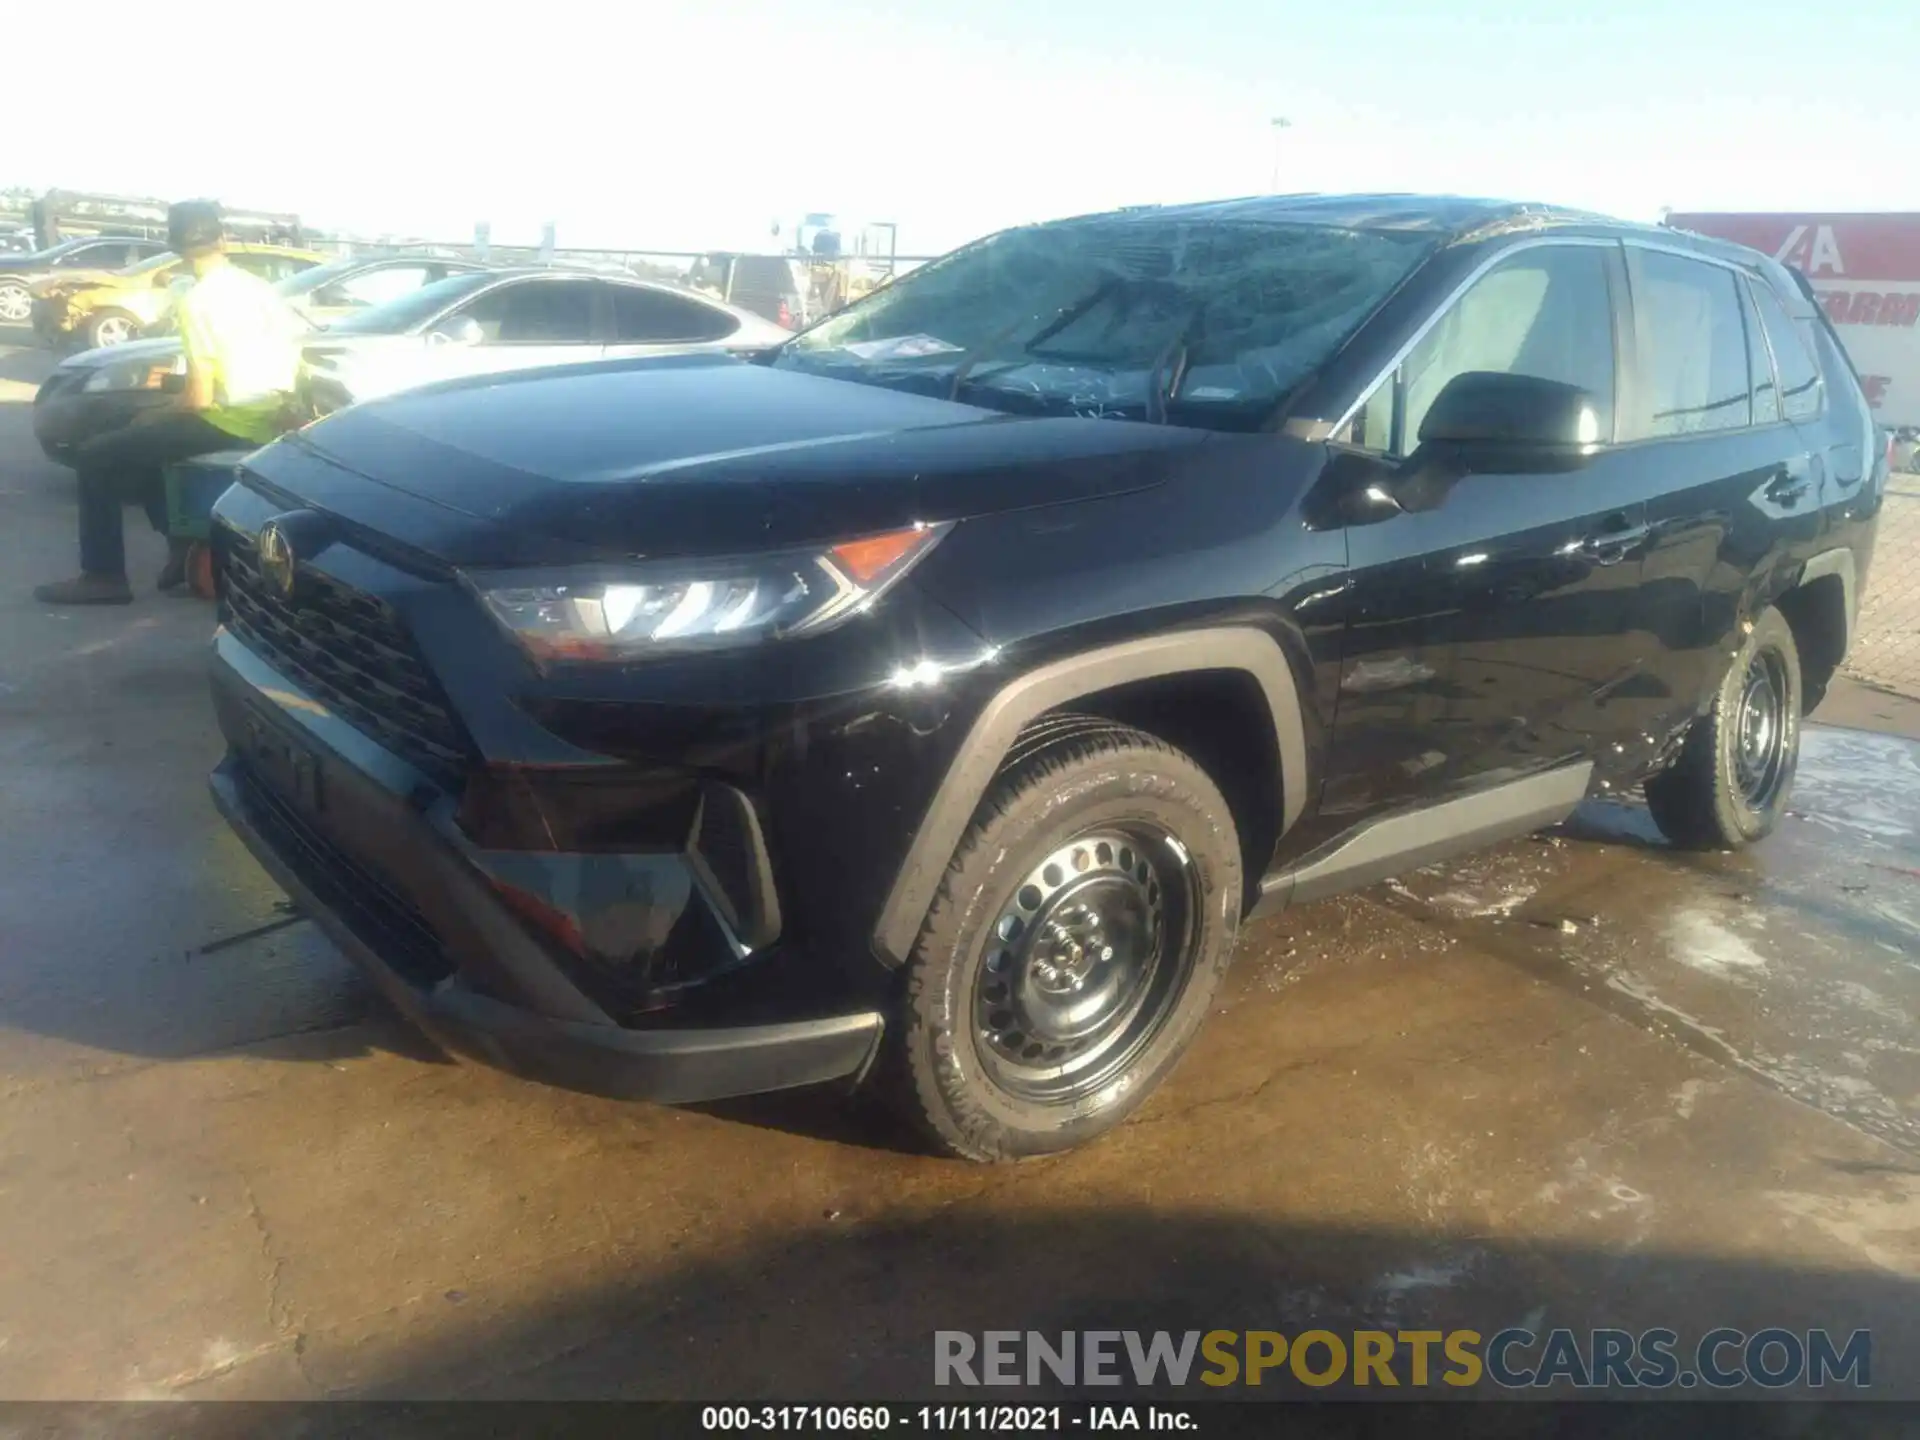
(350, 650)
(377, 912)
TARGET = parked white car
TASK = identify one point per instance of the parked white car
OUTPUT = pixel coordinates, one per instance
(518, 319)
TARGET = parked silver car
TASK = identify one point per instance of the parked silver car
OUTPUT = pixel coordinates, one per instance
(354, 283)
(518, 319)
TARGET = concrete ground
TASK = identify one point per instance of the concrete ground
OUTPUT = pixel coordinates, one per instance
(1578, 1081)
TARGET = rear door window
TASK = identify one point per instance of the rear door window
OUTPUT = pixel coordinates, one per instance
(103, 255)
(1545, 312)
(1692, 346)
(536, 312)
(1800, 395)
(653, 317)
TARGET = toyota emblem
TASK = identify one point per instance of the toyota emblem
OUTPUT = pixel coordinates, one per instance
(276, 559)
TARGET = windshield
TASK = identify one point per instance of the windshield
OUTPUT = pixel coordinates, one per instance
(416, 307)
(1140, 317)
(152, 263)
(52, 252)
(306, 281)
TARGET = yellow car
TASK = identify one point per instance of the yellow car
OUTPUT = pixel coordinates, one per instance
(85, 309)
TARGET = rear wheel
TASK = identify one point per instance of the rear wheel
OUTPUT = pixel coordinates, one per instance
(16, 306)
(111, 327)
(1081, 931)
(1731, 783)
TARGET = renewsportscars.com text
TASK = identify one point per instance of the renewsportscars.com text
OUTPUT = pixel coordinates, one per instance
(1514, 1358)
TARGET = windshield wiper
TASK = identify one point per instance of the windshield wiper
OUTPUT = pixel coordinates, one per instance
(1063, 317)
(1173, 365)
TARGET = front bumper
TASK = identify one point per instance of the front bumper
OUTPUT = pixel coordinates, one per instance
(66, 416)
(50, 322)
(373, 864)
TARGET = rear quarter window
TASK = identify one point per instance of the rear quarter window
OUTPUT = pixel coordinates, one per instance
(652, 317)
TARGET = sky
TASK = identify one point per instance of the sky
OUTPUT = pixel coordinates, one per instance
(694, 124)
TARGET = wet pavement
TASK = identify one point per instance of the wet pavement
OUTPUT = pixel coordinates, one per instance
(1579, 1080)
(1798, 963)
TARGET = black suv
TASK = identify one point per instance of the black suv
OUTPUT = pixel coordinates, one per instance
(929, 704)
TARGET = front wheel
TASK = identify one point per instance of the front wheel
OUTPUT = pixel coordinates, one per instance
(16, 306)
(1076, 942)
(1731, 783)
(111, 327)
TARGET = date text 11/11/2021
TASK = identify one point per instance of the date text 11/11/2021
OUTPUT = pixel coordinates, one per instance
(945, 1419)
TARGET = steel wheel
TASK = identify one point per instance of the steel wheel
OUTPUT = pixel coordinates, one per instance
(1760, 729)
(1074, 947)
(1085, 963)
(16, 306)
(112, 330)
(1730, 783)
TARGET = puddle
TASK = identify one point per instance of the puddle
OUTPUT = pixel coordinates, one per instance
(1859, 783)
(1796, 961)
(1702, 943)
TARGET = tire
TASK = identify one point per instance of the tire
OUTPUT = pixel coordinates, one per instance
(992, 1054)
(1734, 775)
(111, 327)
(16, 305)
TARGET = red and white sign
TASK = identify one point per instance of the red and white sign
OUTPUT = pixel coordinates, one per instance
(1866, 271)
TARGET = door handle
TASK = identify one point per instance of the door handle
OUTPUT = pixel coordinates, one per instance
(1615, 543)
(1790, 480)
(1790, 483)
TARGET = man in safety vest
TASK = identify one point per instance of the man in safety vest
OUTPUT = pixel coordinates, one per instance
(243, 356)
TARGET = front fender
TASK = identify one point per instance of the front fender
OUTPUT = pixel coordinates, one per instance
(1239, 648)
(146, 306)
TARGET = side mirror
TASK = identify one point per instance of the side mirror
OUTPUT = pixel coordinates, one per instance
(462, 331)
(1485, 409)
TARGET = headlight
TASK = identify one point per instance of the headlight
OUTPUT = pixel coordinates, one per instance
(135, 374)
(662, 607)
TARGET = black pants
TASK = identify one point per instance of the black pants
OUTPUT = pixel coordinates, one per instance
(128, 467)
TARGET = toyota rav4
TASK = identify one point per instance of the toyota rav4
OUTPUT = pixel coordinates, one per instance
(929, 704)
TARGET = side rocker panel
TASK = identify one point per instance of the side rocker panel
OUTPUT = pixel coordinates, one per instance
(1396, 843)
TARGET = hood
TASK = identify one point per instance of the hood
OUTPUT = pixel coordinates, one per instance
(159, 347)
(699, 454)
(79, 280)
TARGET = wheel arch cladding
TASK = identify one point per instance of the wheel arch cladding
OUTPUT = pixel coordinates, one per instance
(1219, 718)
(1114, 668)
(1820, 610)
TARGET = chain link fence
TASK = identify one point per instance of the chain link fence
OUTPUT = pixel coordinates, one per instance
(1886, 647)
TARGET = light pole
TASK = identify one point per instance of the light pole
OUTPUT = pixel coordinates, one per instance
(1277, 124)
